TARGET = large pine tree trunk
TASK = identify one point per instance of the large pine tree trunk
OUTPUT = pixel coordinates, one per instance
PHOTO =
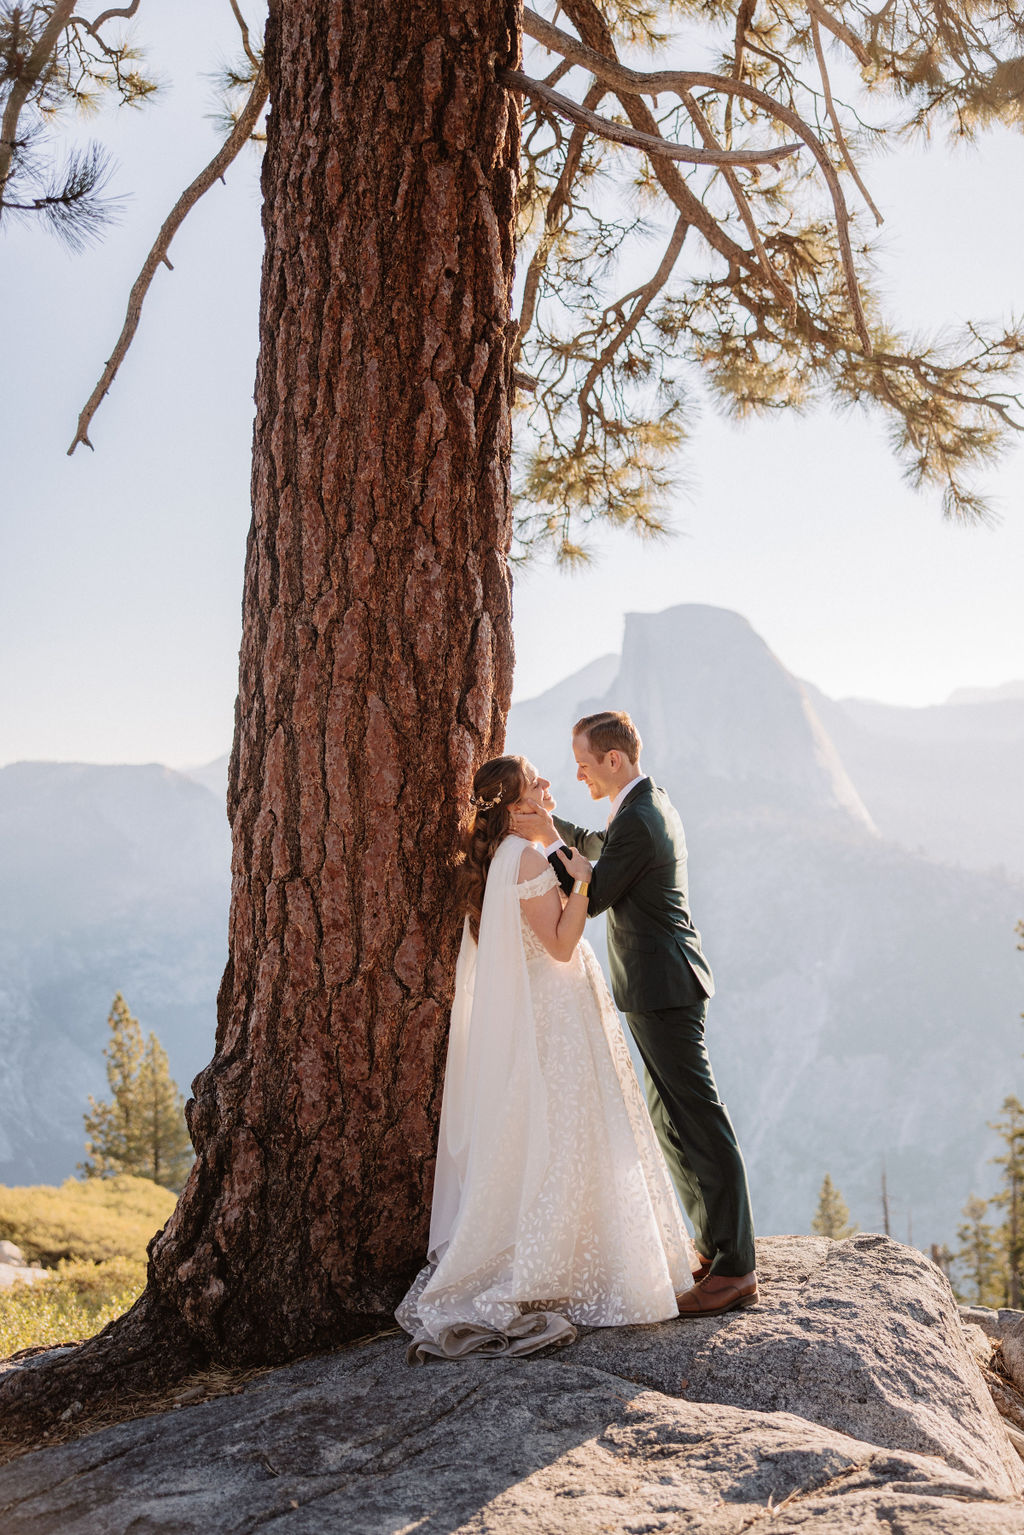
(375, 673)
(375, 665)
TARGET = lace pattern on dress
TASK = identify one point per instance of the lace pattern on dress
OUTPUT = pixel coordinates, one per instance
(539, 885)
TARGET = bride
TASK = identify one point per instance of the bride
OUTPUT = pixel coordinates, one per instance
(552, 1202)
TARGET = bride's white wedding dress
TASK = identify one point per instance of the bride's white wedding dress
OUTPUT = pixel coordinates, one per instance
(552, 1202)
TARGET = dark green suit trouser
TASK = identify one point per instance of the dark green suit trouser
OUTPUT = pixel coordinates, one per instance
(696, 1134)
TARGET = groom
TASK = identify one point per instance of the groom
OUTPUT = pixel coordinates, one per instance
(662, 982)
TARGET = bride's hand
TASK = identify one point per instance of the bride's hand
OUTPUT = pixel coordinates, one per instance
(578, 866)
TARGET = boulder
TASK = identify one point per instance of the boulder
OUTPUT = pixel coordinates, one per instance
(847, 1400)
(11, 1253)
(862, 1336)
(1007, 1327)
(21, 1273)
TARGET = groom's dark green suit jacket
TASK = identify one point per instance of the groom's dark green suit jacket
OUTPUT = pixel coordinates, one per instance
(654, 952)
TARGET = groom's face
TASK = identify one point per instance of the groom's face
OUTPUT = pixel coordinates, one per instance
(595, 772)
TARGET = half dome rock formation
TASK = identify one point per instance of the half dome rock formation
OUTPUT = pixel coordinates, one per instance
(739, 731)
(847, 1400)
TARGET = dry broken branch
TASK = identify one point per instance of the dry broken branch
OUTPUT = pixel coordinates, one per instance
(228, 151)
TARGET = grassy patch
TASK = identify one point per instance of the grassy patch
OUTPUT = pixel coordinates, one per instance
(78, 1300)
(85, 1218)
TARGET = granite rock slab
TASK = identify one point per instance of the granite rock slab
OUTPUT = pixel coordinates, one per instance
(802, 1414)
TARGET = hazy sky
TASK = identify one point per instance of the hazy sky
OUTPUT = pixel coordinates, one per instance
(121, 570)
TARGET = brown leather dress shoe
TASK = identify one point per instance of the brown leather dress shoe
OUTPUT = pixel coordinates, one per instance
(702, 1270)
(717, 1294)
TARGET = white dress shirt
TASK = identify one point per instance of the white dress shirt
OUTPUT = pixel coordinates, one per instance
(617, 801)
(552, 847)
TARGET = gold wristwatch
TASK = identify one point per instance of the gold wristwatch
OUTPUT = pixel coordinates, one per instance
(581, 887)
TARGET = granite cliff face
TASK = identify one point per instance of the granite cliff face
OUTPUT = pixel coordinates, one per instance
(847, 1400)
(868, 996)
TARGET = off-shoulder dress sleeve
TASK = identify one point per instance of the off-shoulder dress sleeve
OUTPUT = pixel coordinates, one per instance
(538, 885)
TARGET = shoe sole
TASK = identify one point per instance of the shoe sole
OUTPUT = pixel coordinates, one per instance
(741, 1303)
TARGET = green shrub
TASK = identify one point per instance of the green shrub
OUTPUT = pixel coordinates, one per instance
(79, 1300)
(90, 1218)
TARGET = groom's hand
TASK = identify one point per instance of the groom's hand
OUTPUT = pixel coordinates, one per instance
(535, 826)
(578, 866)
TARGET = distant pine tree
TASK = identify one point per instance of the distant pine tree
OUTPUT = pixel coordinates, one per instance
(141, 1129)
(163, 1149)
(976, 1265)
(833, 1217)
(109, 1128)
(1010, 1198)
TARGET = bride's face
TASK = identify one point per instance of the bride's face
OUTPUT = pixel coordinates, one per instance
(537, 794)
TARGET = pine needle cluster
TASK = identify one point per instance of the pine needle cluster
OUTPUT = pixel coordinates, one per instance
(53, 62)
(648, 282)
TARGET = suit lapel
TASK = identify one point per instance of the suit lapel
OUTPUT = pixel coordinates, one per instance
(645, 787)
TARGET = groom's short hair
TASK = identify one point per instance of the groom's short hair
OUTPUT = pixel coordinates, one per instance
(610, 731)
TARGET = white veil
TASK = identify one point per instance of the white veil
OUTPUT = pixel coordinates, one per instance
(492, 1150)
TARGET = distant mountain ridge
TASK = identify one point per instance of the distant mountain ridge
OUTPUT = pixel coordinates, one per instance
(868, 993)
(945, 780)
(1001, 693)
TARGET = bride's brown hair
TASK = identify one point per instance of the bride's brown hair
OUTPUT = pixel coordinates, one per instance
(497, 786)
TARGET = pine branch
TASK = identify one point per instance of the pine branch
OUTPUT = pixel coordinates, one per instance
(637, 83)
(782, 292)
(618, 133)
(559, 202)
(127, 12)
(246, 43)
(71, 204)
(837, 129)
(839, 30)
(28, 77)
(218, 165)
(744, 17)
(644, 298)
(94, 27)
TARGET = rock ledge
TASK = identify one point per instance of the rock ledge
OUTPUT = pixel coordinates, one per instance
(847, 1400)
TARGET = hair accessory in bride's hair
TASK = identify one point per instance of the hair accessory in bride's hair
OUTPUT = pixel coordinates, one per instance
(479, 803)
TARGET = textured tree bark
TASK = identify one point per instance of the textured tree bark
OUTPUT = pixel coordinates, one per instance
(375, 665)
(375, 674)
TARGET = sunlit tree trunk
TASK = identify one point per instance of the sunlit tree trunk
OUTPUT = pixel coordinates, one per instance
(375, 665)
(375, 673)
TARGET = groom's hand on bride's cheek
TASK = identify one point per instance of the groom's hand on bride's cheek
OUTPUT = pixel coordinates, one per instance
(534, 825)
